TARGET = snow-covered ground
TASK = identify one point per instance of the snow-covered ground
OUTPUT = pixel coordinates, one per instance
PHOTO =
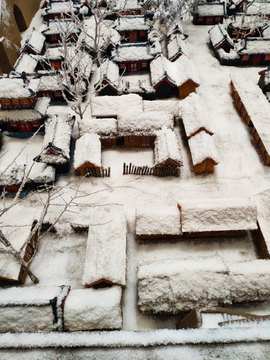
(240, 173)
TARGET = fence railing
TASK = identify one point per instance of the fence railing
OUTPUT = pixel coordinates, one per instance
(101, 172)
(167, 170)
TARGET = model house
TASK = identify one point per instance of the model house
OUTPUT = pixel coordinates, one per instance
(87, 156)
(157, 223)
(244, 92)
(105, 257)
(18, 92)
(57, 142)
(35, 43)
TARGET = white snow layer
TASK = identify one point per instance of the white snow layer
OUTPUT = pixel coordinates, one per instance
(16, 88)
(177, 285)
(23, 115)
(16, 228)
(158, 221)
(128, 23)
(32, 309)
(58, 128)
(105, 258)
(88, 309)
(202, 147)
(168, 105)
(161, 68)
(143, 123)
(167, 147)
(87, 149)
(256, 105)
(107, 106)
(105, 128)
(194, 115)
(218, 215)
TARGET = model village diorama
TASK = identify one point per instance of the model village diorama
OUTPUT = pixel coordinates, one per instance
(140, 83)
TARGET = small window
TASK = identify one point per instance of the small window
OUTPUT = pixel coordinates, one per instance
(132, 138)
(54, 37)
(122, 66)
(144, 64)
(245, 57)
(267, 57)
(133, 67)
(133, 36)
(200, 19)
(142, 33)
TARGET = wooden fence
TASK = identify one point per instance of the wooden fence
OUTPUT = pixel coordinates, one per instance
(146, 170)
(101, 172)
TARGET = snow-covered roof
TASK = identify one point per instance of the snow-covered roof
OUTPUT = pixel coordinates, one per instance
(202, 147)
(16, 228)
(93, 309)
(55, 53)
(132, 52)
(167, 147)
(107, 35)
(194, 115)
(143, 123)
(30, 296)
(185, 70)
(257, 107)
(87, 150)
(12, 176)
(212, 9)
(161, 68)
(251, 46)
(26, 63)
(108, 71)
(107, 106)
(105, 257)
(56, 144)
(44, 177)
(176, 47)
(32, 309)
(60, 8)
(17, 88)
(105, 128)
(218, 215)
(22, 115)
(129, 23)
(60, 26)
(125, 5)
(175, 27)
(177, 285)
(168, 105)
(136, 83)
(35, 41)
(50, 81)
(158, 221)
(218, 35)
(155, 35)
(259, 7)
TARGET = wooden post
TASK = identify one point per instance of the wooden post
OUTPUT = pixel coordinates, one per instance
(109, 172)
(130, 165)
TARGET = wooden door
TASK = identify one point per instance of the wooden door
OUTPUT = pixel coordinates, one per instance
(256, 60)
(133, 67)
(133, 36)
